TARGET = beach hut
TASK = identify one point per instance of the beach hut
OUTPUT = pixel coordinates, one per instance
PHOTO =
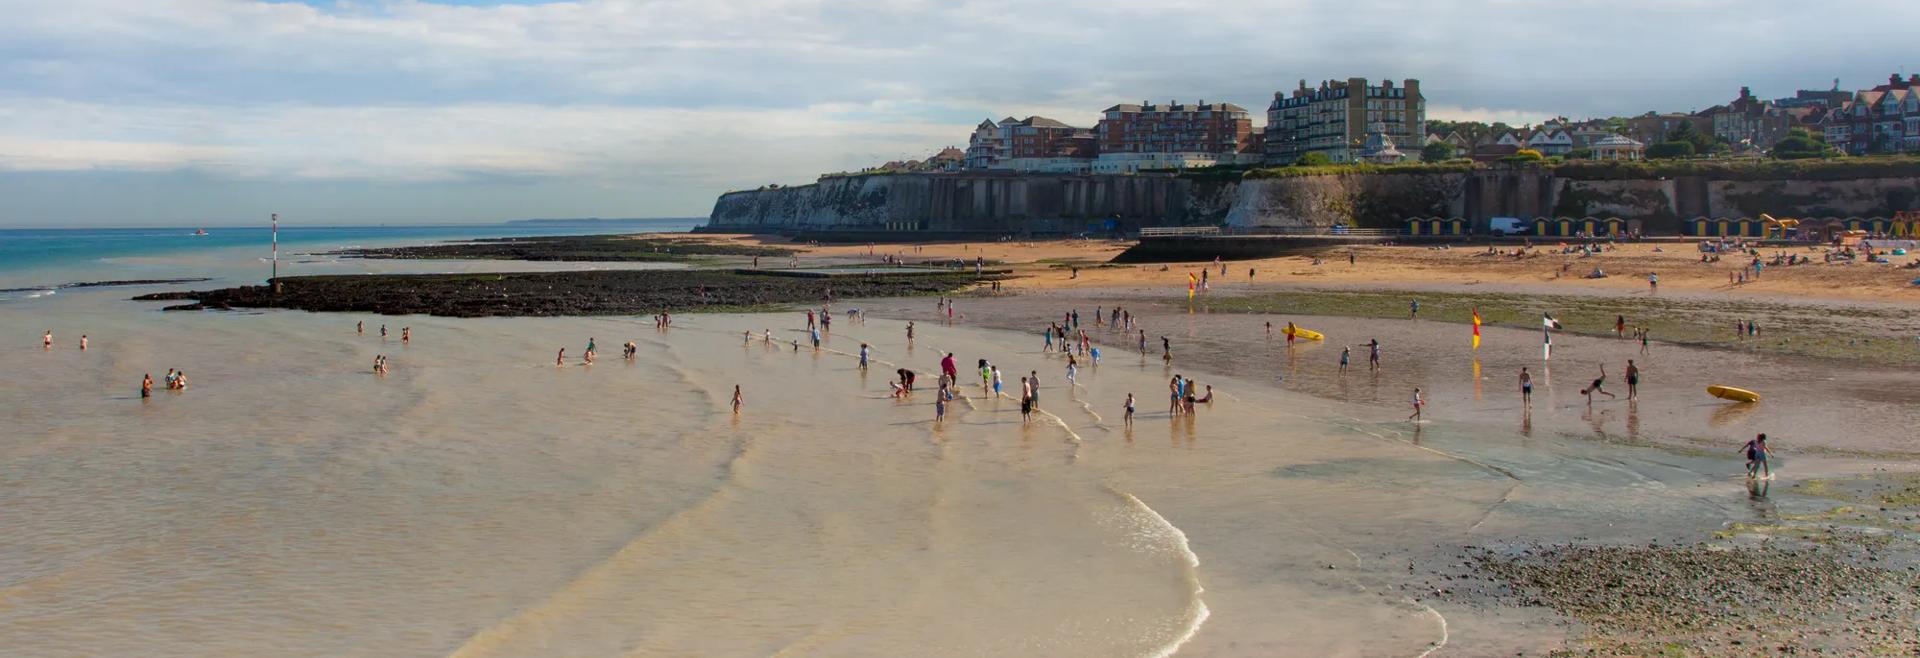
(1698, 226)
(1612, 227)
(1854, 223)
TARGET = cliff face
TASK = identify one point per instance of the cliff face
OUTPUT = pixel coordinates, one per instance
(1015, 204)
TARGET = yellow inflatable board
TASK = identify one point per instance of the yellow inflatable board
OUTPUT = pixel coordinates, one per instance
(1307, 334)
(1731, 393)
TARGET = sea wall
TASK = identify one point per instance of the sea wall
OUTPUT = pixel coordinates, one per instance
(1013, 204)
(974, 203)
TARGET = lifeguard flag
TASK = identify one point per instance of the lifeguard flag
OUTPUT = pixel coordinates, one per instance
(1476, 328)
(1191, 282)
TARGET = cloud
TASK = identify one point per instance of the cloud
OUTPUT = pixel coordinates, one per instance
(719, 93)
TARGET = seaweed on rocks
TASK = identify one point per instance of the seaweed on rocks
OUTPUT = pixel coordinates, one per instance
(608, 292)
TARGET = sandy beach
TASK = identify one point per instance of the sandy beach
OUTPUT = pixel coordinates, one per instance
(477, 500)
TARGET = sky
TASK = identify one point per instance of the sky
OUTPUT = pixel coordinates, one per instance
(207, 112)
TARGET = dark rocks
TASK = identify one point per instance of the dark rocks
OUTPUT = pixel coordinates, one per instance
(600, 292)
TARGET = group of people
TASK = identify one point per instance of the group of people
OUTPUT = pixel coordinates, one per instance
(46, 341)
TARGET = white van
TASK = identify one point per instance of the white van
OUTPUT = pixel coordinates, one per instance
(1500, 226)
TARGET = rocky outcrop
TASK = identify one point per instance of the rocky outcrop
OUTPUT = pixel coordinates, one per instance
(1013, 204)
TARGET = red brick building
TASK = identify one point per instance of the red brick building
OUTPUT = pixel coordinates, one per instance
(1216, 128)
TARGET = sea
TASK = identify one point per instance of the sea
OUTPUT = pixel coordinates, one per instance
(490, 495)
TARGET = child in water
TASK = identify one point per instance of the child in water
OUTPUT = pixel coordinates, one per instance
(737, 400)
(1129, 416)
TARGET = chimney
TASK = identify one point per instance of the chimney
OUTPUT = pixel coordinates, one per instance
(1745, 93)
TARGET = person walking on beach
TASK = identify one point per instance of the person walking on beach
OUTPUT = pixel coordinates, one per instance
(809, 319)
(1350, 259)
(1595, 388)
(1048, 346)
(561, 359)
(1026, 400)
(1633, 380)
(996, 380)
(146, 386)
(950, 368)
(1620, 326)
(909, 332)
(1653, 282)
(1346, 352)
(986, 378)
(1143, 341)
(1643, 340)
(1128, 418)
(1073, 367)
(1373, 354)
(1418, 404)
(1757, 453)
(863, 356)
(1413, 309)
(940, 402)
(814, 333)
(1166, 349)
(1291, 330)
(1526, 387)
(1033, 387)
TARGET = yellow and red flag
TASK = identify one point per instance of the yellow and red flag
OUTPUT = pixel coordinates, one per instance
(1192, 281)
(1476, 327)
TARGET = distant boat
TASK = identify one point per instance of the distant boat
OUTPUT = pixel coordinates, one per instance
(199, 231)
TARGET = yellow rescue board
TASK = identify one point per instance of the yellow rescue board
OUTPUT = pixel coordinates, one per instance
(1731, 393)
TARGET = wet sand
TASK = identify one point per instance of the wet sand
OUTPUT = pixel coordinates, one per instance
(479, 501)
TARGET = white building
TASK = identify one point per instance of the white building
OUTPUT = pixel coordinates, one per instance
(1551, 141)
(1132, 163)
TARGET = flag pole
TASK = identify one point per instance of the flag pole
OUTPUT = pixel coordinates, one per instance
(276, 253)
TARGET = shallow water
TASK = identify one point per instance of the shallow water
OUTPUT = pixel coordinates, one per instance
(480, 501)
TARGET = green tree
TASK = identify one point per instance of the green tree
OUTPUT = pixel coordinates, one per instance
(1670, 149)
(1313, 159)
(1702, 142)
(1436, 152)
(1580, 154)
(1617, 125)
(1799, 144)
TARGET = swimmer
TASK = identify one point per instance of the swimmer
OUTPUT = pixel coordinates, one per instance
(360, 327)
(146, 386)
(383, 331)
(406, 334)
(83, 342)
(47, 340)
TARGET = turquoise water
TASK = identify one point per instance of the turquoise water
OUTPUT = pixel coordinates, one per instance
(41, 249)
